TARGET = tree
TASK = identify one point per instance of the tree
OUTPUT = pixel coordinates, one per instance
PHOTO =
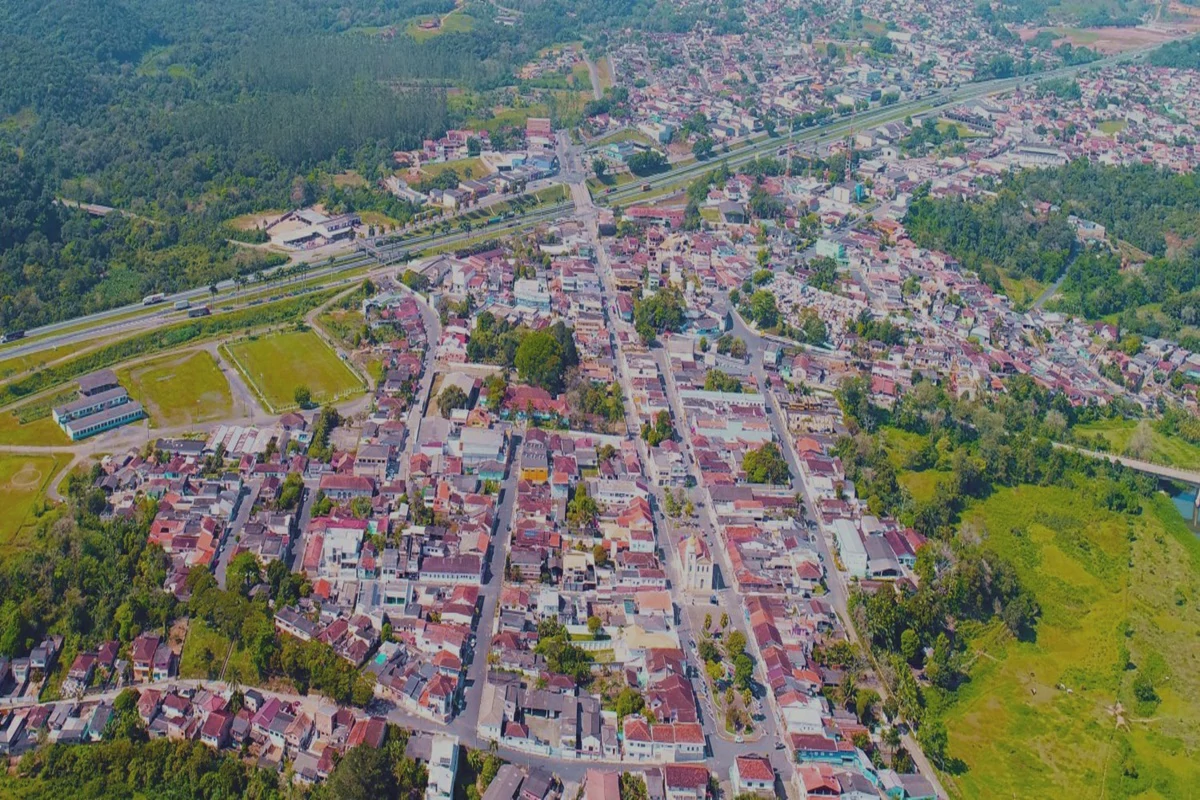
(735, 644)
(243, 572)
(539, 361)
(766, 465)
(583, 511)
(910, 646)
(594, 625)
(743, 671)
(629, 701)
(762, 309)
(303, 396)
(451, 398)
(934, 740)
(363, 773)
(646, 162)
(661, 431)
(599, 167)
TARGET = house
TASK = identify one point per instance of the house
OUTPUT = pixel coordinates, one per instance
(752, 774)
(506, 784)
(346, 487)
(142, 656)
(215, 731)
(442, 767)
(601, 785)
(535, 462)
(685, 781)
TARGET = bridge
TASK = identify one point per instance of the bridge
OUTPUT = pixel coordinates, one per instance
(1187, 476)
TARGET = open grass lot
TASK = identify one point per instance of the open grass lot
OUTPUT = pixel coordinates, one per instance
(462, 166)
(204, 652)
(510, 115)
(23, 482)
(1112, 126)
(1021, 290)
(278, 363)
(41, 432)
(922, 485)
(342, 324)
(1163, 449)
(1120, 595)
(604, 73)
(179, 389)
(454, 22)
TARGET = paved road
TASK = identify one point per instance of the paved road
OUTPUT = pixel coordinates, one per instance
(722, 749)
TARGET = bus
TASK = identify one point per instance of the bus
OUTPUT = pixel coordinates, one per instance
(151, 299)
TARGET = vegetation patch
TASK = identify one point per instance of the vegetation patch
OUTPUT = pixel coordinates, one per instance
(204, 654)
(1101, 702)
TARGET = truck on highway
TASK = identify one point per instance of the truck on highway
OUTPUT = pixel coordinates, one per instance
(181, 305)
(152, 299)
(12, 336)
(199, 311)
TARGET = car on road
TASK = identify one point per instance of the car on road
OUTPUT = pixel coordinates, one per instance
(779, 745)
(739, 739)
(713, 600)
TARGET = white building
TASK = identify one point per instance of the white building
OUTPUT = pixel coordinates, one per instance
(443, 767)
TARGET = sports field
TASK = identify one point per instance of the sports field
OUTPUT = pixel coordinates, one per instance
(179, 389)
(23, 482)
(277, 364)
(1120, 600)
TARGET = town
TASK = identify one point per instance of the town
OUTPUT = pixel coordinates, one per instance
(591, 486)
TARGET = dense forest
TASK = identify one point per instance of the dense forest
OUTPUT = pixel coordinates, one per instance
(1153, 210)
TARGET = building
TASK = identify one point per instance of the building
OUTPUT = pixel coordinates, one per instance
(102, 405)
(752, 774)
(443, 767)
(698, 572)
(535, 462)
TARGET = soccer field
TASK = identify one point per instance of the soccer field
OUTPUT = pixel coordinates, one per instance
(276, 365)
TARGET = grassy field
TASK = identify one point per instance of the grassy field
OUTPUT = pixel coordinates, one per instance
(454, 22)
(23, 482)
(379, 220)
(474, 166)
(39, 432)
(1162, 449)
(179, 389)
(510, 115)
(921, 485)
(342, 324)
(623, 135)
(1120, 596)
(1112, 126)
(604, 73)
(1021, 290)
(204, 652)
(279, 363)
